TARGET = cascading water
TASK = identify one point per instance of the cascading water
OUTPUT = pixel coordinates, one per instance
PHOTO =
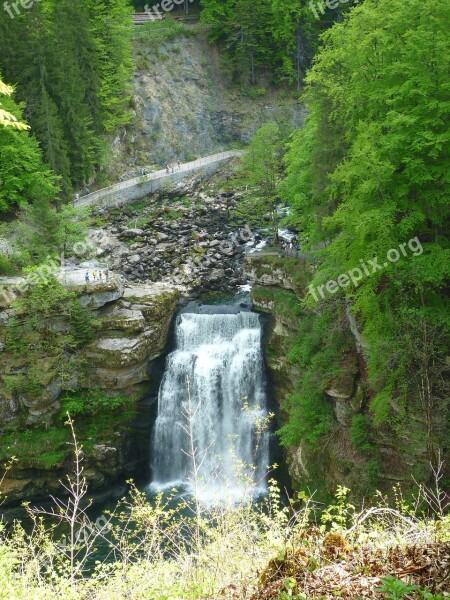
(212, 406)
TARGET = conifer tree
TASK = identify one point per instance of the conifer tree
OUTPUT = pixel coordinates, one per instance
(71, 60)
(23, 175)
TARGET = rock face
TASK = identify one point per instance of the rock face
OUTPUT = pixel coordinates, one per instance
(133, 332)
(263, 271)
(186, 106)
(102, 294)
(345, 456)
(133, 324)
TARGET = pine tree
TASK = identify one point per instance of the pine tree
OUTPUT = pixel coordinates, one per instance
(72, 63)
(23, 175)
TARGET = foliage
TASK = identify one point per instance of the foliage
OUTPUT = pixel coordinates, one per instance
(369, 172)
(41, 448)
(23, 176)
(156, 32)
(275, 36)
(310, 416)
(6, 266)
(360, 432)
(163, 548)
(98, 413)
(259, 173)
(48, 328)
(7, 119)
(72, 64)
(315, 350)
(395, 589)
(92, 402)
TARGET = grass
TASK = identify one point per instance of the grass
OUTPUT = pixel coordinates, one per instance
(153, 34)
(42, 448)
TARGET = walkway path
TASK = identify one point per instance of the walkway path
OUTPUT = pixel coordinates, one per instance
(139, 187)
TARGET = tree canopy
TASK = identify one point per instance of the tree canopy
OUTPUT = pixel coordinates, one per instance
(370, 172)
(71, 63)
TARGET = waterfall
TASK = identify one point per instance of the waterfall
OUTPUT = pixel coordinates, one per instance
(219, 357)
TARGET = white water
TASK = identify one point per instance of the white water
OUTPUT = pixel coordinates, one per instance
(220, 355)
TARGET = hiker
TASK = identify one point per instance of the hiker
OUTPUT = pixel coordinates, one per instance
(94, 274)
(167, 168)
(100, 275)
(107, 274)
(86, 277)
(179, 165)
(173, 168)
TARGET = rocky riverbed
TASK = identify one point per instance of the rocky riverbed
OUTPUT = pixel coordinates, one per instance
(182, 237)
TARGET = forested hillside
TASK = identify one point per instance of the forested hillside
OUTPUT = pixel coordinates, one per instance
(271, 39)
(71, 65)
(368, 173)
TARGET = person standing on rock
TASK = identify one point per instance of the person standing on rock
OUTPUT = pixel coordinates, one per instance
(100, 275)
(107, 274)
(94, 275)
(86, 277)
(179, 165)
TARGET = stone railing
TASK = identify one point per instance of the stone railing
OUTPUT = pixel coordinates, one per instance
(139, 187)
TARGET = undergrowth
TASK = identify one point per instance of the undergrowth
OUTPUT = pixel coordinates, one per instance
(254, 550)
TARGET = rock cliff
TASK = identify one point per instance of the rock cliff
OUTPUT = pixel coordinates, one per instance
(353, 451)
(132, 329)
(185, 104)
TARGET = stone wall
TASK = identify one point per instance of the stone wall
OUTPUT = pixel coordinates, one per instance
(140, 187)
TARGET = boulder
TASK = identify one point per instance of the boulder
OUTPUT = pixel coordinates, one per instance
(96, 295)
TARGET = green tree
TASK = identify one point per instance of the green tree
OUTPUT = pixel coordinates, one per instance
(369, 172)
(259, 172)
(7, 119)
(72, 64)
(23, 175)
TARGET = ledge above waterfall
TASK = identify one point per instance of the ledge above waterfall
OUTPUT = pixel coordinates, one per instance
(132, 331)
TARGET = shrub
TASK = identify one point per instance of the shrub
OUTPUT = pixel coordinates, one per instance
(6, 266)
(92, 402)
(360, 433)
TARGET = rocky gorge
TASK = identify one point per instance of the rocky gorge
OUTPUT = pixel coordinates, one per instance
(132, 324)
(161, 251)
(353, 453)
(182, 237)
